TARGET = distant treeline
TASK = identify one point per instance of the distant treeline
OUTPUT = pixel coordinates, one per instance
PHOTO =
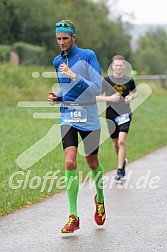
(33, 22)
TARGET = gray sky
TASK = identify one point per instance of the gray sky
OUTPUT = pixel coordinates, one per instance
(145, 11)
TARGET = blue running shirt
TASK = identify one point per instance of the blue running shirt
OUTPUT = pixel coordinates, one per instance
(82, 91)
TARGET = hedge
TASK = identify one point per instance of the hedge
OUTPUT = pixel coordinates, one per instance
(30, 54)
(5, 53)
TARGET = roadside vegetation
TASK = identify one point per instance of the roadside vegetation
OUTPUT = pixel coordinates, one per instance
(19, 130)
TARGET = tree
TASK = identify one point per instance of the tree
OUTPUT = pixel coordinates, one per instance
(151, 52)
(34, 21)
(10, 27)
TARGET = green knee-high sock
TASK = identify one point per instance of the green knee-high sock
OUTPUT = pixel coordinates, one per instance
(97, 176)
(72, 186)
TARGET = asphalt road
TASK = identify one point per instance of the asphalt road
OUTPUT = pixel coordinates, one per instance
(136, 215)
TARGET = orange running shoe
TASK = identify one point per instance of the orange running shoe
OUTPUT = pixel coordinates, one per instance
(100, 215)
(71, 225)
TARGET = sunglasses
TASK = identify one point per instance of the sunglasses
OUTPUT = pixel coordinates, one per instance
(63, 24)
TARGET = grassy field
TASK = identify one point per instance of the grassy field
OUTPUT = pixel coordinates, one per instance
(19, 131)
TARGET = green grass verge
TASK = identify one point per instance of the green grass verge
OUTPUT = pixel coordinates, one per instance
(19, 130)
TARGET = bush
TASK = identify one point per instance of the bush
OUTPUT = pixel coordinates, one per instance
(30, 54)
(4, 53)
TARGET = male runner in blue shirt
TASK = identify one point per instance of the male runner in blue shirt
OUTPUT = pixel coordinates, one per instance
(79, 76)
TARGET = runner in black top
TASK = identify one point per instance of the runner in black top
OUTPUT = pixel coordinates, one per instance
(120, 90)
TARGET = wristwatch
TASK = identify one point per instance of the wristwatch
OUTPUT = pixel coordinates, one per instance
(75, 78)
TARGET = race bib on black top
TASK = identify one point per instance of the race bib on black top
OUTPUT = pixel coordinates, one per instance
(122, 119)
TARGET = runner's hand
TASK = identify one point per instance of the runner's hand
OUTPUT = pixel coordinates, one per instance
(65, 70)
(128, 98)
(52, 98)
(114, 98)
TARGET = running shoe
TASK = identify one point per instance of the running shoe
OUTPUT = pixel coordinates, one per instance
(71, 225)
(100, 215)
(125, 164)
(120, 174)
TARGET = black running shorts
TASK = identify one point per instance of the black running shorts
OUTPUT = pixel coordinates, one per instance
(90, 139)
(114, 129)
